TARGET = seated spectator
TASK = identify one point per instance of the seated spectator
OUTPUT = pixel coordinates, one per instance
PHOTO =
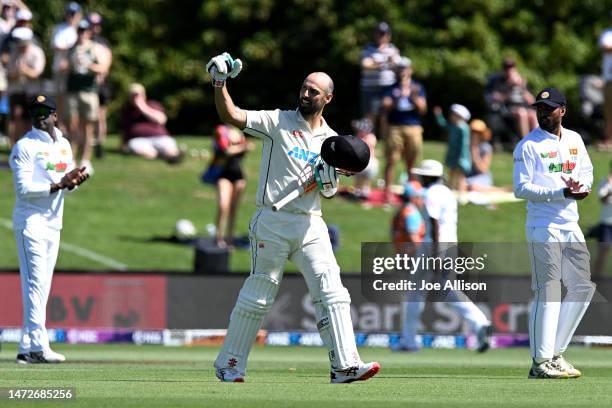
(482, 153)
(363, 130)
(458, 157)
(143, 127)
(506, 94)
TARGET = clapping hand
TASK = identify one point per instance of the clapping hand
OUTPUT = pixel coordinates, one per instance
(574, 189)
(74, 178)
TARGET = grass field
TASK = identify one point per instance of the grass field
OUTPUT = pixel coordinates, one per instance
(130, 203)
(154, 376)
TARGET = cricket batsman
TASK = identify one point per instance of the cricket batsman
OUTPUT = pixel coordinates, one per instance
(292, 144)
(552, 170)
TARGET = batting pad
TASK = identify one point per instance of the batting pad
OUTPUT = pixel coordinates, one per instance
(334, 322)
(254, 302)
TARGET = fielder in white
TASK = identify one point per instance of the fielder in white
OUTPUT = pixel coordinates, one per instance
(42, 170)
(441, 208)
(552, 170)
(297, 232)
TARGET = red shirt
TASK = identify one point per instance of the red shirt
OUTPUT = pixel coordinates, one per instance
(135, 124)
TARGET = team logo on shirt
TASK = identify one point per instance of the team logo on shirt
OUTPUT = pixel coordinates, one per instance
(566, 167)
(297, 133)
(549, 155)
(303, 155)
(58, 167)
(573, 151)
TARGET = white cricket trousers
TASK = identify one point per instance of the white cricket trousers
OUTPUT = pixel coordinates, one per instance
(37, 247)
(275, 238)
(557, 256)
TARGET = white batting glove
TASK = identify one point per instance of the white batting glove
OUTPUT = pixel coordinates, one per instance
(222, 66)
(327, 179)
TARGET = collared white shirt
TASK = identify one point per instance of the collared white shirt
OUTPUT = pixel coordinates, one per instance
(37, 161)
(441, 205)
(289, 146)
(540, 160)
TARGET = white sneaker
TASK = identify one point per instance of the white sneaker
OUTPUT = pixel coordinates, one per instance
(357, 373)
(562, 365)
(45, 357)
(229, 374)
(546, 370)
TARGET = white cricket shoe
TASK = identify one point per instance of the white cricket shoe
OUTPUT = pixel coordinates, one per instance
(361, 372)
(546, 370)
(45, 357)
(229, 374)
(563, 365)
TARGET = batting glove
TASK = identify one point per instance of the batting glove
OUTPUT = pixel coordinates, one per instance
(221, 67)
(327, 179)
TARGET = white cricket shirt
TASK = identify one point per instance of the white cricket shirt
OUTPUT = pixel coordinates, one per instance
(37, 161)
(441, 205)
(540, 159)
(289, 145)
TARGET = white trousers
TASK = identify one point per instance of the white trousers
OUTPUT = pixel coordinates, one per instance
(275, 238)
(557, 256)
(37, 247)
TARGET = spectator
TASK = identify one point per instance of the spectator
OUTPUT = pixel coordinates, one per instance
(458, 157)
(378, 60)
(7, 17)
(143, 126)
(507, 95)
(230, 147)
(406, 104)
(604, 192)
(363, 129)
(605, 43)
(84, 62)
(25, 64)
(482, 152)
(95, 19)
(63, 39)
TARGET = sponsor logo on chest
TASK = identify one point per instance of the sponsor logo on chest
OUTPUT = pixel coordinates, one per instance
(302, 155)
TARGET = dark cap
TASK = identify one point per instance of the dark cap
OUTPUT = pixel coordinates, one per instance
(508, 63)
(43, 100)
(73, 7)
(551, 97)
(383, 28)
(346, 152)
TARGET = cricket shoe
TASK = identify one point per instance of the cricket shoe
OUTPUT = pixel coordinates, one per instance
(484, 339)
(229, 374)
(44, 357)
(21, 359)
(361, 372)
(546, 370)
(562, 365)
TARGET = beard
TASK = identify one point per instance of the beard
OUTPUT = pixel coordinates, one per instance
(549, 124)
(309, 109)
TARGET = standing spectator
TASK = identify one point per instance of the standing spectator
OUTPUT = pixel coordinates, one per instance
(605, 43)
(84, 62)
(406, 104)
(43, 169)
(230, 147)
(25, 64)
(63, 39)
(95, 19)
(378, 61)
(143, 128)
(604, 192)
(364, 130)
(507, 96)
(458, 157)
(7, 17)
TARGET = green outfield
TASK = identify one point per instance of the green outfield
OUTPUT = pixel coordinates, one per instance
(156, 376)
(130, 205)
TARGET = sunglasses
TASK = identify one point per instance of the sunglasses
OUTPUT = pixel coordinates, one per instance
(41, 111)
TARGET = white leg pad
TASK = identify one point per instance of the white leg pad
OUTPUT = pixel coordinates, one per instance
(254, 302)
(334, 322)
